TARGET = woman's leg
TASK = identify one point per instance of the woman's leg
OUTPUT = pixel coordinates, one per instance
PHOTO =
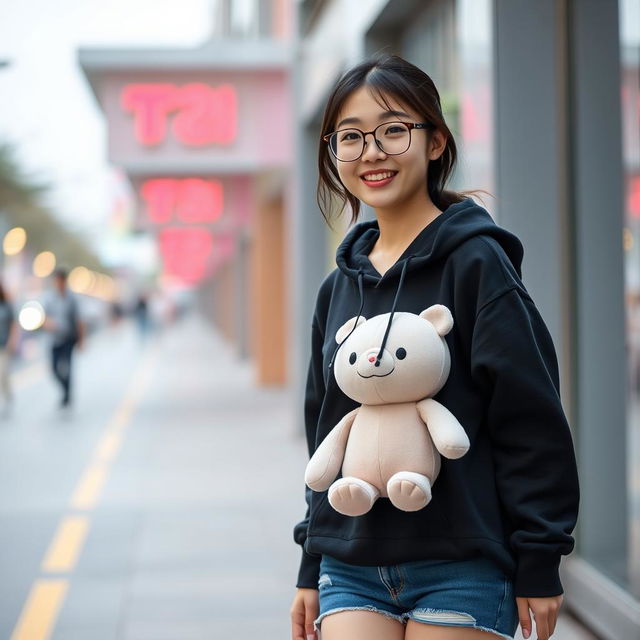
(422, 631)
(360, 625)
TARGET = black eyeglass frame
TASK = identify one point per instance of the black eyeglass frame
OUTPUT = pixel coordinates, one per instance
(411, 125)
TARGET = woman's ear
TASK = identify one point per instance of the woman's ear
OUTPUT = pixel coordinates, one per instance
(437, 144)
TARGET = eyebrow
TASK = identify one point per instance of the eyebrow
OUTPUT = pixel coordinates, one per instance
(382, 116)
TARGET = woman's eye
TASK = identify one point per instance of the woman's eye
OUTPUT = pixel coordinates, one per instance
(401, 353)
(351, 136)
(394, 129)
(353, 357)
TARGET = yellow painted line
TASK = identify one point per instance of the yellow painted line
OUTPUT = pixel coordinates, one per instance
(41, 609)
(109, 446)
(120, 420)
(40, 612)
(66, 546)
(88, 490)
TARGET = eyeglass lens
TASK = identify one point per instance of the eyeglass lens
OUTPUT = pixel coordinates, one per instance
(392, 137)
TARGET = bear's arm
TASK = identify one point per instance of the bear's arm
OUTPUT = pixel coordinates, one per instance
(448, 436)
(327, 459)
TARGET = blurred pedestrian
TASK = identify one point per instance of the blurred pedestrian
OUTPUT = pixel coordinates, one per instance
(381, 555)
(8, 337)
(141, 312)
(63, 323)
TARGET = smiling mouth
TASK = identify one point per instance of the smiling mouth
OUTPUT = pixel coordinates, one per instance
(373, 375)
(378, 177)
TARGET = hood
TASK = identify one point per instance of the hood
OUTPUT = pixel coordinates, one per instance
(440, 237)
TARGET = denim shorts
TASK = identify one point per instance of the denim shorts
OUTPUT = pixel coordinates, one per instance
(463, 593)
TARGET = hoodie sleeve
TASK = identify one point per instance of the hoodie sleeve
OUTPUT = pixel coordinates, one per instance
(314, 393)
(514, 361)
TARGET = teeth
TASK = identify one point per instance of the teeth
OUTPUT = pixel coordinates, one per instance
(378, 176)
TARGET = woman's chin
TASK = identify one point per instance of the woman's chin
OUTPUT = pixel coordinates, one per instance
(379, 202)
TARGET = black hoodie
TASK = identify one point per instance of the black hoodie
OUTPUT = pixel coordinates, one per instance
(513, 497)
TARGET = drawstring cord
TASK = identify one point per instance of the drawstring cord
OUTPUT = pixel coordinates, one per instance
(393, 310)
(355, 324)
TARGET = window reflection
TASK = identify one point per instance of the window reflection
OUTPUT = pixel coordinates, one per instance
(630, 97)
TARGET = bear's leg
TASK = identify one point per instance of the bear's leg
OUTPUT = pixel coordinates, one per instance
(351, 496)
(409, 491)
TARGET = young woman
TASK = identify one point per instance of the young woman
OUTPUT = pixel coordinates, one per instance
(484, 553)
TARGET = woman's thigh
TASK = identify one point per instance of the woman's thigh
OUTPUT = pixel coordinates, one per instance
(361, 625)
(421, 631)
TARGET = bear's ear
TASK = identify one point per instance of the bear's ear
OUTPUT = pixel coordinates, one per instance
(345, 329)
(440, 317)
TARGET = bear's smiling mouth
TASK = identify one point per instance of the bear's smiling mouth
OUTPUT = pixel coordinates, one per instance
(373, 375)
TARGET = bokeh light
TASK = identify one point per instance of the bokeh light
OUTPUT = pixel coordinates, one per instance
(44, 264)
(80, 280)
(14, 241)
(31, 316)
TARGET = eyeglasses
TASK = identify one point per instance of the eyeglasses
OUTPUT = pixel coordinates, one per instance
(392, 138)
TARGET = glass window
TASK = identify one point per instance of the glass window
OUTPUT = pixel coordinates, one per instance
(452, 42)
(630, 96)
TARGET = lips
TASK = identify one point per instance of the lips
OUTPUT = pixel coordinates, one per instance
(378, 178)
(378, 175)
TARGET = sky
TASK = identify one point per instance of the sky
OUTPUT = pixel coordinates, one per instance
(47, 110)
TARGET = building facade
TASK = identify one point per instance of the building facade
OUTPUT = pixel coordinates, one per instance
(204, 138)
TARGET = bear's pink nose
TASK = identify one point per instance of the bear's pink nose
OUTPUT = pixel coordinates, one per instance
(372, 358)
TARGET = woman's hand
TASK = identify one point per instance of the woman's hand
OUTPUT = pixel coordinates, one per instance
(545, 612)
(304, 611)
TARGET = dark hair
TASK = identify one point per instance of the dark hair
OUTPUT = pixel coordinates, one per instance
(3, 293)
(387, 75)
(61, 273)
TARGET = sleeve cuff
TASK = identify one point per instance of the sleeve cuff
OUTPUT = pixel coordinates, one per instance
(309, 572)
(537, 576)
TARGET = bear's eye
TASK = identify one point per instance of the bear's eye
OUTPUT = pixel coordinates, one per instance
(401, 353)
(352, 357)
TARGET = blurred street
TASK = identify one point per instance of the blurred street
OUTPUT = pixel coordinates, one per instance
(190, 534)
(187, 539)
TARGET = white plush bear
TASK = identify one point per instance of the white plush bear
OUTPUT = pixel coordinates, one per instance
(388, 447)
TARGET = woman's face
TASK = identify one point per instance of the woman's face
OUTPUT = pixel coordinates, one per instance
(409, 169)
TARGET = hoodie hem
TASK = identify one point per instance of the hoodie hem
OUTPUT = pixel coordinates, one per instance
(375, 551)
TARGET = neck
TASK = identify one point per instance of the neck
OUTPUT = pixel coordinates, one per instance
(399, 228)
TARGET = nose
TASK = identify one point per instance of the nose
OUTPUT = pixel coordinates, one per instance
(372, 145)
(372, 358)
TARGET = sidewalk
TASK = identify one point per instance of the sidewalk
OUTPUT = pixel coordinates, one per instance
(190, 537)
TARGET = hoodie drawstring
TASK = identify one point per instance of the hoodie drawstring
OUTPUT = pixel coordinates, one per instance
(355, 324)
(393, 309)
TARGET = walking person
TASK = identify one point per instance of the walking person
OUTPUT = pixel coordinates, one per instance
(141, 312)
(483, 554)
(66, 330)
(8, 338)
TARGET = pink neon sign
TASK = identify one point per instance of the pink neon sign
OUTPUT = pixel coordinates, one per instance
(185, 251)
(201, 115)
(634, 197)
(190, 200)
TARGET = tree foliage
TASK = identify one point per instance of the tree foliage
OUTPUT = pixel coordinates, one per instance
(21, 205)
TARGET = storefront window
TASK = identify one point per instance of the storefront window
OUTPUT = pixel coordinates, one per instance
(630, 78)
(452, 42)
(475, 136)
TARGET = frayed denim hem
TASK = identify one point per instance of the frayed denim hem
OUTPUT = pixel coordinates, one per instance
(318, 620)
(465, 620)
